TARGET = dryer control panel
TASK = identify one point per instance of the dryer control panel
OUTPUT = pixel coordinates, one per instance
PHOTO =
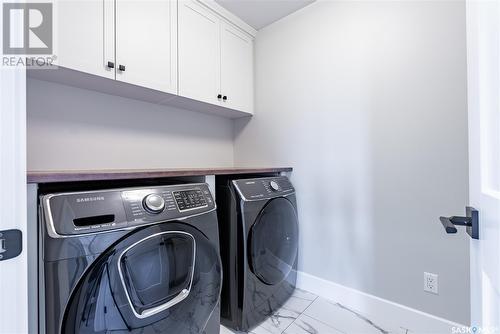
(263, 188)
(79, 213)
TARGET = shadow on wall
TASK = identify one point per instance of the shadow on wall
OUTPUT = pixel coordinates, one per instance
(72, 128)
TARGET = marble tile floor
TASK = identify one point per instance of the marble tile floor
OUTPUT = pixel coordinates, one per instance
(306, 313)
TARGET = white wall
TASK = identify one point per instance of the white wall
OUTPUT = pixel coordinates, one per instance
(72, 128)
(367, 101)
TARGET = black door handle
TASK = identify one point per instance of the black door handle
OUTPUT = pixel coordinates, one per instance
(219, 96)
(448, 225)
(470, 221)
(111, 64)
(224, 97)
(11, 244)
(121, 68)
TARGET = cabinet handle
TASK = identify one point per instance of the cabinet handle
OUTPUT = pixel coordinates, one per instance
(111, 64)
(224, 97)
(219, 96)
(121, 68)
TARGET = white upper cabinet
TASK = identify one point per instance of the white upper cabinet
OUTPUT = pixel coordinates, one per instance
(215, 59)
(146, 43)
(86, 33)
(236, 68)
(199, 52)
(192, 54)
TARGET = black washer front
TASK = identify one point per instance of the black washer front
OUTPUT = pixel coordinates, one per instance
(273, 241)
(164, 278)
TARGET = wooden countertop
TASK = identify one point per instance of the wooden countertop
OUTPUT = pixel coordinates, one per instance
(123, 174)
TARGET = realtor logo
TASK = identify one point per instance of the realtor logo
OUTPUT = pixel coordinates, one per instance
(27, 28)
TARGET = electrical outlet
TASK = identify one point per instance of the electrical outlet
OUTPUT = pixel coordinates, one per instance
(431, 283)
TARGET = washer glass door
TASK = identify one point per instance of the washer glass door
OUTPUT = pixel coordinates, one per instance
(273, 241)
(162, 278)
(157, 272)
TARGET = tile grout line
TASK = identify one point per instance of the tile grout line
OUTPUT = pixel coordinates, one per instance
(309, 305)
(324, 323)
(318, 320)
(363, 317)
(301, 313)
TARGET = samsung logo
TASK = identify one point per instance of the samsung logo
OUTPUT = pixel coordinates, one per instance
(89, 199)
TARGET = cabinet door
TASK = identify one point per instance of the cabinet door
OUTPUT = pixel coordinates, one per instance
(236, 68)
(199, 52)
(146, 43)
(85, 35)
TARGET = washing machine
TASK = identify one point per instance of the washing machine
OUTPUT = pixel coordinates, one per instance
(130, 260)
(259, 231)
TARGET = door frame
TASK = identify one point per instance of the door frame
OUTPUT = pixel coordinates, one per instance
(13, 212)
(483, 51)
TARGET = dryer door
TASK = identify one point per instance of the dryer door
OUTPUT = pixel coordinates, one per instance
(273, 241)
(164, 278)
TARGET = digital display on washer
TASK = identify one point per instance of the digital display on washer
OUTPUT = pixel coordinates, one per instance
(189, 199)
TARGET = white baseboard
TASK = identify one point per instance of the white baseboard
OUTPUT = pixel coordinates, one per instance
(376, 308)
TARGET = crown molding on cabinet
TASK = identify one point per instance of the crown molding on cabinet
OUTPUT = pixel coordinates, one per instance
(229, 17)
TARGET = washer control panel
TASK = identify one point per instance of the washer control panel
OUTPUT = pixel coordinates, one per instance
(263, 188)
(190, 199)
(98, 211)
